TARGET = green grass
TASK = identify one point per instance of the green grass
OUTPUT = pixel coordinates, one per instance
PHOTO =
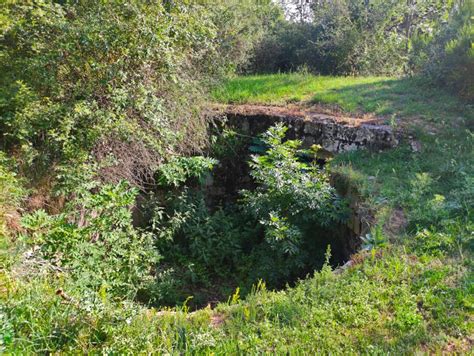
(392, 301)
(377, 95)
(414, 295)
(433, 188)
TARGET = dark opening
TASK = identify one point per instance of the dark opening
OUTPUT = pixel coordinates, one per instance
(218, 248)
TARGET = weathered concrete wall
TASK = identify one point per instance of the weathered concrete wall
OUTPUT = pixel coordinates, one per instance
(334, 135)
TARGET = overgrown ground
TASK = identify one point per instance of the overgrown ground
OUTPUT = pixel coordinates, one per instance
(412, 290)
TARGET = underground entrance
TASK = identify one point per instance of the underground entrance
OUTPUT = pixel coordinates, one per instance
(266, 211)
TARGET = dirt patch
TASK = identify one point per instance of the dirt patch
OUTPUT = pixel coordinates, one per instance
(217, 320)
(396, 223)
(312, 113)
(13, 222)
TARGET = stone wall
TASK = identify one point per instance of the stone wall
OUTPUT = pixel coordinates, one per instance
(333, 134)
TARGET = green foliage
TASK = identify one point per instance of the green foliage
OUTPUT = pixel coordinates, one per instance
(274, 233)
(240, 25)
(375, 239)
(447, 55)
(227, 144)
(291, 194)
(201, 247)
(103, 92)
(428, 38)
(401, 178)
(179, 169)
(400, 299)
(99, 91)
(123, 84)
(94, 241)
(434, 208)
(348, 37)
(393, 303)
(454, 238)
(75, 78)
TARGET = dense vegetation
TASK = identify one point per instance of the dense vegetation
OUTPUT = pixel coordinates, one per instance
(110, 240)
(276, 231)
(430, 38)
(108, 84)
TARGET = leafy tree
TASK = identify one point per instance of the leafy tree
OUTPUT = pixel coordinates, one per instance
(291, 194)
(121, 84)
(350, 36)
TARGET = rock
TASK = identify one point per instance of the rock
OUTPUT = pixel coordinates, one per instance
(415, 146)
(332, 133)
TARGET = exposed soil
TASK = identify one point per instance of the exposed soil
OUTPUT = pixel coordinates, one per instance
(313, 113)
(332, 113)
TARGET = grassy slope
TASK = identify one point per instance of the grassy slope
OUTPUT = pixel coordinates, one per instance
(378, 95)
(415, 294)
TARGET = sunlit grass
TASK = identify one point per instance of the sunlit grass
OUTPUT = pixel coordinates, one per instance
(404, 97)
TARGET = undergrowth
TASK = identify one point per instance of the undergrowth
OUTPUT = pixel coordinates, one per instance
(411, 293)
(276, 231)
(393, 300)
(110, 241)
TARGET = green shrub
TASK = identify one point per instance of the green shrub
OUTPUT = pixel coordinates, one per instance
(348, 37)
(179, 169)
(291, 194)
(276, 232)
(200, 247)
(94, 241)
(446, 57)
(120, 84)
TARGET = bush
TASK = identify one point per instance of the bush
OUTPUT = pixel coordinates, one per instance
(350, 37)
(202, 248)
(276, 233)
(120, 84)
(179, 169)
(447, 57)
(94, 242)
(342, 38)
(291, 193)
